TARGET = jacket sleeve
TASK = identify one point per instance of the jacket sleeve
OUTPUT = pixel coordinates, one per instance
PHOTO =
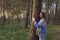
(36, 24)
(40, 23)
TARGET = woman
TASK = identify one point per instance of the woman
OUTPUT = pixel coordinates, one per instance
(41, 26)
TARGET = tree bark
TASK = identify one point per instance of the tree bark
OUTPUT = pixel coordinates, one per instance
(47, 10)
(28, 12)
(56, 11)
(3, 19)
(38, 9)
(35, 12)
(32, 28)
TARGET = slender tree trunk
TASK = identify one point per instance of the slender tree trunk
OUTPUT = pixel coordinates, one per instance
(56, 11)
(47, 10)
(48, 4)
(31, 10)
(27, 20)
(3, 17)
(19, 12)
(28, 12)
(3, 11)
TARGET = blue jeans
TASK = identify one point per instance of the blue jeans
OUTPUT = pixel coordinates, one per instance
(42, 36)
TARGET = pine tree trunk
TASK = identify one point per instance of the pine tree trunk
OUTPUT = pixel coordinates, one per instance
(36, 10)
(31, 10)
(32, 28)
(47, 10)
(3, 17)
(28, 12)
(56, 11)
(3, 12)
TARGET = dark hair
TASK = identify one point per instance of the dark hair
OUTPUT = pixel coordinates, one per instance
(43, 14)
(37, 17)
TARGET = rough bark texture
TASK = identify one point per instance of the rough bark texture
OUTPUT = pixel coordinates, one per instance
(56, 11)
(36, 10)
(28, 12)
(32, 28)
(47, 10)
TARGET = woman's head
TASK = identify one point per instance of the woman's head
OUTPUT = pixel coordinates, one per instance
(42, 15)
(39, 16)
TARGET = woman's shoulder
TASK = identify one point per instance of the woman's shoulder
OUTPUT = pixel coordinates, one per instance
(42, 19)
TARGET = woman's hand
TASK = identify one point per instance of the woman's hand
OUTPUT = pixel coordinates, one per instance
(33, 19)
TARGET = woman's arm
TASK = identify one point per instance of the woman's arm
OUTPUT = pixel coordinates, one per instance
(40, 23)
(35, 24)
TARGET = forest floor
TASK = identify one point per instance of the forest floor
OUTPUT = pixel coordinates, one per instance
(53, 32)
(17, 31)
